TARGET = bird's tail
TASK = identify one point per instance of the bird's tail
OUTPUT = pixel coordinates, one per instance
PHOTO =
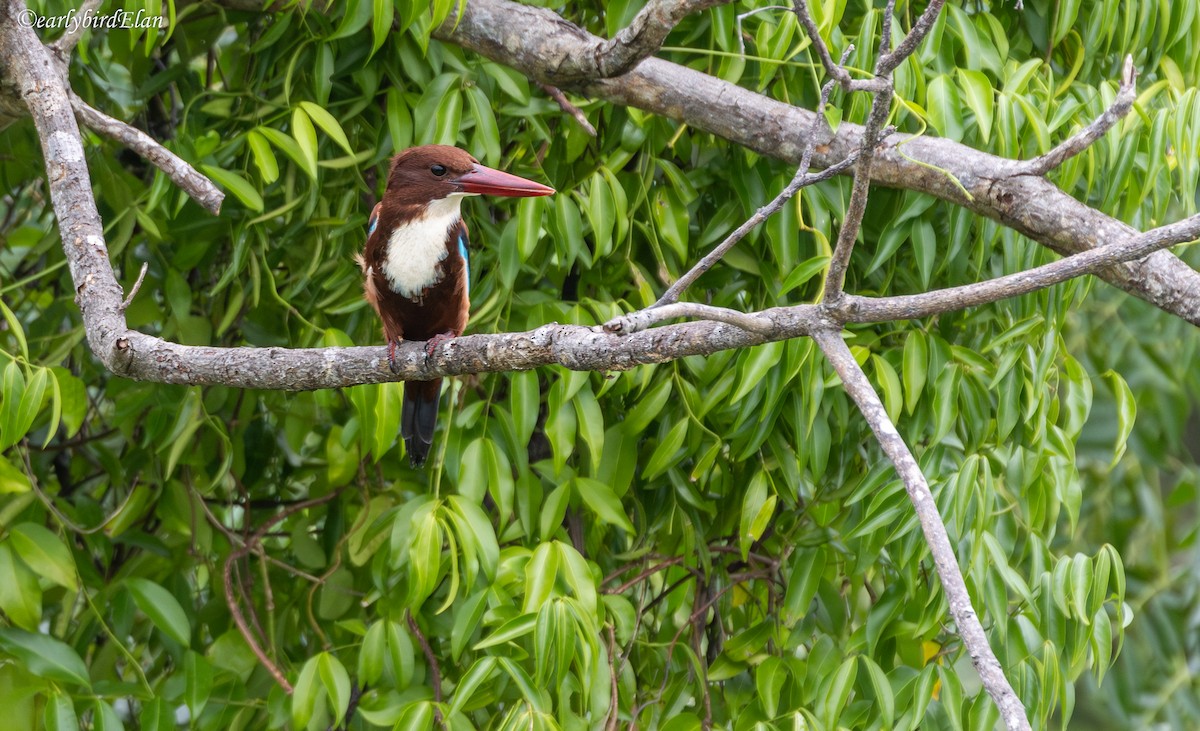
(418, 418)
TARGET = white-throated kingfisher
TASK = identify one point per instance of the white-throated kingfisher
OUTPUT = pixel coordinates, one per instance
(415, 263)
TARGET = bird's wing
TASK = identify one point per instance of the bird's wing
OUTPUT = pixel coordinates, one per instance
(464, 249)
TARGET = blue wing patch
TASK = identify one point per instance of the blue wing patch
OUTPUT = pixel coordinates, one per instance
(462, 250)
(374, 220)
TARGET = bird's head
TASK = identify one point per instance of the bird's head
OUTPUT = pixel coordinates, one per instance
(424, 175)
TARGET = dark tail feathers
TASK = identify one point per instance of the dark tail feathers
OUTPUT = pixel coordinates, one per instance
(419, 417)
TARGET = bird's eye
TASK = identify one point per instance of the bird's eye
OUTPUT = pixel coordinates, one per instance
(438, 170)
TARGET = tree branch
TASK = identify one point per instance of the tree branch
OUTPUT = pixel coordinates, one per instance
(66, 43)
(944, 559)
(856, 308)
(995, 186)
(1087, 136)
(634, 43)
(801, 179)
(200, 188)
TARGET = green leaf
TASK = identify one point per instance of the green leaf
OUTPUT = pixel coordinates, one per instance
(807, 269)
(336, 682)
(105, 718)
(306, 693)
(198, 682)
(156, 716)
(1126, 413)
(12, 390)
(915, 368)
(400, 654)
(381, 23)
(942, 106)
(60, 713)
(18, 332)
(12, 480)
(889, 387)
(479, 673)
(306, 140)
(20, 594)
(664, 457)
(44, 656)
(264, 158)
(514, 628)
(288, 146)
(540, 574)
(329, 124)
(802, 583)
(980, 97)
(757, 508)
(602, 501)
(885, 699)
(839, 687)
(43, 552)
(235, 184)
(162, 608)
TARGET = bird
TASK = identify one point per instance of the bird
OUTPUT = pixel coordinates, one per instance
(415, 264)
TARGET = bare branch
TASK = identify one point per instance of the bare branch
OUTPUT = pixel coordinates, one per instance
(1087, 136)
(906, 307)
(959, 601)
(200, 188)
(835, 278)
(556, 94)
(888, 62)
(66, 43)
(136, 286)
(642, 319)
(835, 71)
(431, 659)
(640, 39)
(1031, 206)
(802, 179)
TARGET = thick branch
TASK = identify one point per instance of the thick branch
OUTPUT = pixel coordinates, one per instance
(534, 41)
(200, 188)
(944, 559)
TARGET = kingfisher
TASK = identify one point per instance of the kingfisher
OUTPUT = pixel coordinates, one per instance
(415, 263)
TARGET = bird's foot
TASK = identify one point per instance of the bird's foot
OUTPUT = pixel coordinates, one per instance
(433, 343)
(392, 356)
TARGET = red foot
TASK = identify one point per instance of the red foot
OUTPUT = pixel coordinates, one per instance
(392, 356)
(433, 343)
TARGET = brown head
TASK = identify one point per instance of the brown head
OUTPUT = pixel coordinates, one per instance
(421, 175)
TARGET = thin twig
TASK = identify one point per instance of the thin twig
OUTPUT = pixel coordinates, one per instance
(888, 62)
(231, 601)
(136, 286)
(643, 319)
(834, 70)
(835, 277)
(1087, 136)
(802, 179)
(959, 600)
(556, 94)
(235, 611)
(434, 669)
(200, 188)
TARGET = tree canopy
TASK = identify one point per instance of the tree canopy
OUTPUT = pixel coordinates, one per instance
(624, 523)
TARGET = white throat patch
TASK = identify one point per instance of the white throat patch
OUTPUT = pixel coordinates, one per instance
(414, 250)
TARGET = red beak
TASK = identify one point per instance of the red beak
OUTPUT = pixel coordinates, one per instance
(485, 180)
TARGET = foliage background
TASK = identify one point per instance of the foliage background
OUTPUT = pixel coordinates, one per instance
(1058, 430)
